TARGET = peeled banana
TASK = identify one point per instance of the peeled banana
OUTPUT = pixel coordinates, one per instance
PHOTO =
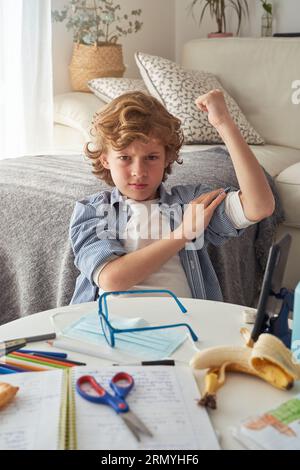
(269, 359)
(7, 393)
(214, 379)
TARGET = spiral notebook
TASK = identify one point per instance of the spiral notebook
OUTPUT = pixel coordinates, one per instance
(47, 413)
(37, 417)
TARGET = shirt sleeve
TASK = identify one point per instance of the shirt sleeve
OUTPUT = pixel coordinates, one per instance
(235, 211)
(92, 244)
(220, 227)
(98, 270)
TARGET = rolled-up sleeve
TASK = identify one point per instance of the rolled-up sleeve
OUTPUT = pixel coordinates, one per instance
(90, 248)
(220, 227)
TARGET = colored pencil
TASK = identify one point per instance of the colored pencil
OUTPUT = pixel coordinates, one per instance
(76, 363)
(38, 361)
(34, 362)
(41, 360)
(6, 371)
(53, 355)
(22, 365)
(10, 367)
(67, 361)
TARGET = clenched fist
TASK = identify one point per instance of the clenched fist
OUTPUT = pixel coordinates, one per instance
(214, 104)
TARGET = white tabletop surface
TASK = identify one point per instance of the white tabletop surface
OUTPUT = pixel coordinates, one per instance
(215, 323)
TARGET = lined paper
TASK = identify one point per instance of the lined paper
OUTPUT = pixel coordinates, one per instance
(164, 398)
(32, 419)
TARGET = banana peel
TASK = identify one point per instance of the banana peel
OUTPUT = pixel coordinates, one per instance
(214, 380)
(269, 359)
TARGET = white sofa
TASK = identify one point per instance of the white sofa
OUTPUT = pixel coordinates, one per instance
(259, 74)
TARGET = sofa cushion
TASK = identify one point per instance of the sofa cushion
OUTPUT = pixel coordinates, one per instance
(76, 110)
(177, 89)
(288, 185)
(67, 140)
(109, 88)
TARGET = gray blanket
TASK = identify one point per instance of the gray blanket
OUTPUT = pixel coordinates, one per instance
(37, 197)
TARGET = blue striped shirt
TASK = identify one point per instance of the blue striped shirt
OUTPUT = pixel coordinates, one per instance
(91, 250)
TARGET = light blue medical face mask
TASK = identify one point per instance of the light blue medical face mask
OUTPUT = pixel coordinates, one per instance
(144, 345)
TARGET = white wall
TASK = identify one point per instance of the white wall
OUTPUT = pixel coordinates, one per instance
(286, 19)
(155, 37)
(288, 16)
(167, 26)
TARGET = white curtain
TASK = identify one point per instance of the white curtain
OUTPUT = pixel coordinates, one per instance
(26, 97)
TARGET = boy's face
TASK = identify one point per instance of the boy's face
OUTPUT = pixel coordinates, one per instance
(137, 170)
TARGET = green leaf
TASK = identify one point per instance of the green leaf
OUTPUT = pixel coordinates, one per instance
(268, 8)
(87, 18)
(217, 10)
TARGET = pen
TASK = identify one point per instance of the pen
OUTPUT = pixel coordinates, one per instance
(45, 353)
(20, 342)
(75, 363)
(162, 362)
(52, 355)
(12, 345)
(33, 339)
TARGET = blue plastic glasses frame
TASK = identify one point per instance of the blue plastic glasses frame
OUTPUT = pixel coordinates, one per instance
(109, 331)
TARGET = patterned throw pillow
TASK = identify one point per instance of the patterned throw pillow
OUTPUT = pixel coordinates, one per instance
(109, 88)
(177, 89)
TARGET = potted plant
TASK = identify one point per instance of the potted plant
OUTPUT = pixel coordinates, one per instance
(97, 25)
(217, 8)
(267, 18)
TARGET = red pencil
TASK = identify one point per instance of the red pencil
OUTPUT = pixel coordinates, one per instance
(40, 359)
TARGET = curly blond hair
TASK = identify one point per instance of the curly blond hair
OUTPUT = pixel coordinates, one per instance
(132, 116)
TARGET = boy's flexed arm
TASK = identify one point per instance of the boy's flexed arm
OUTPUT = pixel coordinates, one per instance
(256, 195)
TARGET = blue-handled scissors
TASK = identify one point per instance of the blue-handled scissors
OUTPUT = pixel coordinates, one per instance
(121, 384)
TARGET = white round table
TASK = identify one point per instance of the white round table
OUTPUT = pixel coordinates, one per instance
(215, 323)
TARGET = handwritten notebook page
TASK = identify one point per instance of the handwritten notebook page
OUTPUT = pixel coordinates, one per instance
(32, 419)
(164, 398)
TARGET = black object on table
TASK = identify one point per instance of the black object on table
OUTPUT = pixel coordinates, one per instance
(286, 35)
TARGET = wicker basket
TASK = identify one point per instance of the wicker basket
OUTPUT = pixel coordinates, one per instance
(88, 62)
